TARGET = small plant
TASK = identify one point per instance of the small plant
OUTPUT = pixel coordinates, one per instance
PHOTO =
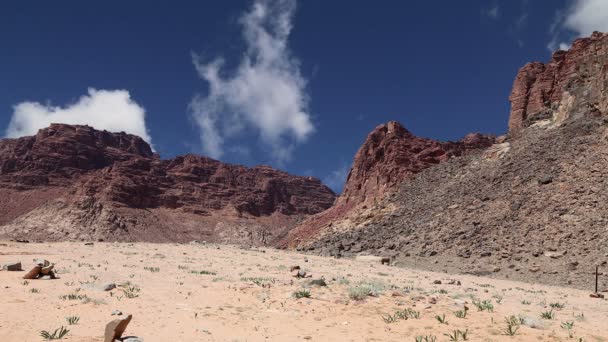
(512, 325)
(131, 291)
(462, 313)
(401, 315)
(365, 289)
(458, 335)
(427, 338)
(203, 272)
(34, 290)
(56, 335)
(301, 294)
(25, 283)
(484, 306)
(547, 314)
(72, 320)
(260, 281)
(579, 317)
(526, 302)
(441, 319)
(557, 305)
(568, 325)
(73, 296)
(152, 269)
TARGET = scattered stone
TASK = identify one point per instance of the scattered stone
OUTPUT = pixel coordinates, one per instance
(533, 322)
(596, 295)
(108, 286)
(33, 273)
(545, 180)
(116, 313)
(534, 268)
(437, 282)
(88, 244)
(433, 300)
(496, 269)
(293, 268)
(22, 241)
(318, 282)
(385, 261)
(132, 339)
(396, 294)
(12, 266)
(116, 328)
(454, 282)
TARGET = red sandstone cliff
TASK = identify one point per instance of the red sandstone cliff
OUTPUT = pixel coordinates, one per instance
(76, 182)
(572, 83)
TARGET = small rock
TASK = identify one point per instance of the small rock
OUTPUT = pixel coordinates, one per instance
(533, 322)
(116, 313)
(12, 266)
(437, 282)
(293, 268)
(545, 180)
(496, 269)
(108, 286)
(318, 282)
(132, 339)
(116, 328)
(433, 300)
(534, 269)
(596, 295)
(88, 244)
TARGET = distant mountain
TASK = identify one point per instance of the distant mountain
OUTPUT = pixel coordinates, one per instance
(75, 182)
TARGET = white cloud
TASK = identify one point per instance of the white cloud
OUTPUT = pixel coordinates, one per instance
(492, 12)
(337, 178)
(111, 110)
(580, 19)
(266, 93)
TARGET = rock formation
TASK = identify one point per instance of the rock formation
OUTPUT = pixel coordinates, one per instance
(572, 83)
(530, 207)
(76, 182)
(389, 156)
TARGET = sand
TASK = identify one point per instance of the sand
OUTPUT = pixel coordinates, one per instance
(248, 295)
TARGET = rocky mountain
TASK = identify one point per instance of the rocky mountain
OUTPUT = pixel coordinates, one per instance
(389, 156)
(533, 206)
(75, 182)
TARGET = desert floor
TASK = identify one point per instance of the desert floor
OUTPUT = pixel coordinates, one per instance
(220, 293)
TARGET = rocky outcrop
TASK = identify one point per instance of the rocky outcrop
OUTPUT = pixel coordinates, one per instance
(391, 154)
(114, 180)
(573, 83)
(531, 207)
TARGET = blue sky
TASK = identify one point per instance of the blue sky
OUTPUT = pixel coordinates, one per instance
(301, 84)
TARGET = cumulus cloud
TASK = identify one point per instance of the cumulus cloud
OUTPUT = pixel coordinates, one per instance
(264, 96)
(111, 110)
(579, 19)
(337, 178)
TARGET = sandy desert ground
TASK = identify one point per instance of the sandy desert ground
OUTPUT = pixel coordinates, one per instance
(219, 293)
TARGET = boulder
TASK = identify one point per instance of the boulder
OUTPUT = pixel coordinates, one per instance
(116, 328)
(12, 266)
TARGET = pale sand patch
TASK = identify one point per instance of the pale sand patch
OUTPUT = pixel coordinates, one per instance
(175, 304)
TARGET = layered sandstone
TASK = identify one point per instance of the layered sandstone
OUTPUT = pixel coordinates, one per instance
(573, 83)
(114, 181)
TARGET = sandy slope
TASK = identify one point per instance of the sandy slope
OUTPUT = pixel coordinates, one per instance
(175, 304)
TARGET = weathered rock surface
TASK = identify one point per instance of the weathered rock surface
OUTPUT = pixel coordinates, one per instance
(572, 84)
(74, 182)
(532, 207)
(389, 156)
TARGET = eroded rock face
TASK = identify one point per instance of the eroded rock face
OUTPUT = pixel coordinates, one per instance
(572, 84)
(391, 154)
(97, 177)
